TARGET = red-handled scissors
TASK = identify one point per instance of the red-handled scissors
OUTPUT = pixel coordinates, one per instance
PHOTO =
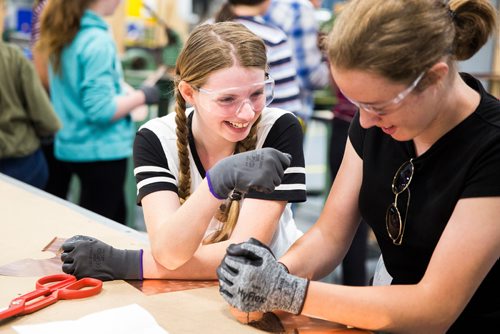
(50, 289)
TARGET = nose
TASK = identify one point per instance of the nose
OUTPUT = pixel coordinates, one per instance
(246, 111)
(368, 119)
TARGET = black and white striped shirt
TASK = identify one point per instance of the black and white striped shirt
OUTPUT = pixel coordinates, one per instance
(157, 164)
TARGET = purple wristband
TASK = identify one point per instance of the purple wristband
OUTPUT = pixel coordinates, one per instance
(212, 191)
(141, 275)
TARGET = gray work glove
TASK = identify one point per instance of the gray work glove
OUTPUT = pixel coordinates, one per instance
(88, 257)
(151, 93)
(251, 279)
(260, 170)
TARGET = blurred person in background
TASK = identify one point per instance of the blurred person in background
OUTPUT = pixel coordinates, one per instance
(297, 19)
(87, 91)
(282, 67)
(26, 116)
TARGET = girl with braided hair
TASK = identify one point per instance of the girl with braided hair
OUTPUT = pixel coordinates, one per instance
(206, 173)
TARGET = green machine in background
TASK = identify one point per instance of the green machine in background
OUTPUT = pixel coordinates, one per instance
(139, 63)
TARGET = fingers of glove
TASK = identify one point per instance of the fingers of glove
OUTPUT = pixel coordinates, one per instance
(237, 250)
(265, 183)
(247, 270)
(68, 268)
(285, 159)
(69, 244)
(277, 177)
(262, 189)
(66, 257)
(223, 277)
(257, 242)
(259, 250)
(231, 270)
(226, 294)
(80, 238)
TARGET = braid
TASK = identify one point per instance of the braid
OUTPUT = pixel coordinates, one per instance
(182, 132)
(210, 48)
(229, 211)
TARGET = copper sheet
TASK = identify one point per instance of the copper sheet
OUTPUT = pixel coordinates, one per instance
(155, 286)
(37, 267)
(282, 322)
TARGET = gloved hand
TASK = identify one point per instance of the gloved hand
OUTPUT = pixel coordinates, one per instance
(88, 257)
(260, 170)
(151, 93)
(251, 279)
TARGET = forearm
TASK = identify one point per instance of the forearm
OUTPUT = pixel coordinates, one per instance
(201, 266)
(126, 103)
(312, 256)
(176, 239)
(324, 246)
(258, 218)
(379, 308)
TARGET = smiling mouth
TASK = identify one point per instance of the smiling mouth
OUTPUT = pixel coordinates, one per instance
(237, 125)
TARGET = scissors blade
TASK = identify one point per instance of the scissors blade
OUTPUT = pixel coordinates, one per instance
(11, 311)
(18, 305)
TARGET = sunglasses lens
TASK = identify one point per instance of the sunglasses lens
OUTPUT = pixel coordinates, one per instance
(393, 222)
(403, 177)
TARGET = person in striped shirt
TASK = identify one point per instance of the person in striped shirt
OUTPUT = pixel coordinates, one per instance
(296, 18)
(282, 67)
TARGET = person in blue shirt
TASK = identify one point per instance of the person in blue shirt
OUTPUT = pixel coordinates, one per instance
(86, 86)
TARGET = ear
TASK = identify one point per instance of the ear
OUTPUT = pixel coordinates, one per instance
(436, 74)
(187, 92)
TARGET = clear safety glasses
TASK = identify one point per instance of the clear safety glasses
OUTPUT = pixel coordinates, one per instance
(378, 108)
(229, 101)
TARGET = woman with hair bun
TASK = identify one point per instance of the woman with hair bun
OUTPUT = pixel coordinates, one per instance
(420, 167)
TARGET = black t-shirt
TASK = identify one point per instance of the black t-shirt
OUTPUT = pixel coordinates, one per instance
(463, 163)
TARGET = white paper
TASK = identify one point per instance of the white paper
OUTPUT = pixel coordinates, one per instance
(122, 320)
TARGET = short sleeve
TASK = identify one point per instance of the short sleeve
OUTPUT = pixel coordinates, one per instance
(482, 179)
(151, 171)
(357, 135)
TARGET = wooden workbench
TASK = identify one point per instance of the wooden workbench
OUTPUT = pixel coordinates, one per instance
(30, 219)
